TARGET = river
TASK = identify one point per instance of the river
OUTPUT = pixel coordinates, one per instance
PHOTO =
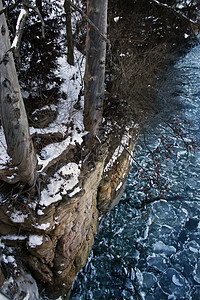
(152, 250)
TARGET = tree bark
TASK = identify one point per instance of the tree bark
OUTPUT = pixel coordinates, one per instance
(70, 41)
(13, 115)
(39, 5)
(95, 65)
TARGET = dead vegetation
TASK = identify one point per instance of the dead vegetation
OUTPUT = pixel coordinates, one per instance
(145, 38)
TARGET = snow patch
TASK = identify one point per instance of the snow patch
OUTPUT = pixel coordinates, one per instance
(118, 151)
(18, 217)
(75, 191)
(13, 237)
(116, 19)
(40, 212)
(23, 12)
(35, 240)
(119, 186)
(42, 226)
(65, 179)
(4, 157)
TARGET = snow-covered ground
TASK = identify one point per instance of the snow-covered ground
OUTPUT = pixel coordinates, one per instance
(73, 83)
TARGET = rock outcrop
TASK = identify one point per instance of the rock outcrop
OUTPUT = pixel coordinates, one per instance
(54, 242)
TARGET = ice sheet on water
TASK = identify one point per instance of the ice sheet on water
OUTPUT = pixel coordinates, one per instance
(194, 247)
(162, 233)
(191, 182)
(195, 293)
(139, 276)
(157, 262)
(196, 275)
(162, 248)
(129, 285)
(174, 283)
(163, 213)
(149, 280)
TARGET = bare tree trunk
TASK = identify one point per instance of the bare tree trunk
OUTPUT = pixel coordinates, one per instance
(39, 5)
(13, 114)
(70, 41)
(95, 65)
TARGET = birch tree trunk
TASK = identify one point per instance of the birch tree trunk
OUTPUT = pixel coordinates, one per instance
(13, 115)
(95, 65)
(70, 41)
(39, 5)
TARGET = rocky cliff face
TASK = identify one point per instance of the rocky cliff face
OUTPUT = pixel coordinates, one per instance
(54, 243)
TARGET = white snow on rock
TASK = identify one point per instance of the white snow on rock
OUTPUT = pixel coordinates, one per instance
(52, 151)
(118, 151)
(42, 226)
(18, 217)
(2, 297)
(4, 157)
(73, 83)
(65, 179)
(119, 186)
(8, 259)
(75, 191)
(40, 212)
(35, 240)
(13, 237)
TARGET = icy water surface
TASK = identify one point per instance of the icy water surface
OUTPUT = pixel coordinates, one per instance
(153, 251)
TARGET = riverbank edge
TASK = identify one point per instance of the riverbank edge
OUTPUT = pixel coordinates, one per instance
(72, 222)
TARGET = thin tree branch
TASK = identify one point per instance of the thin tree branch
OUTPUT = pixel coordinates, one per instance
(21, 21)
(10, 7)
(91, 23)
(36, 9)
(133, 158)
(175, 12)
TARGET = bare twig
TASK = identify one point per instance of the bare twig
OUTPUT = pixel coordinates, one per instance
(91, 23)
(36, 9)
(175, 12)
(133, 158)
(10, 7)
(21, 21)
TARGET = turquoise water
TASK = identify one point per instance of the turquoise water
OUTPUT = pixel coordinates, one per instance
(152, 250)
